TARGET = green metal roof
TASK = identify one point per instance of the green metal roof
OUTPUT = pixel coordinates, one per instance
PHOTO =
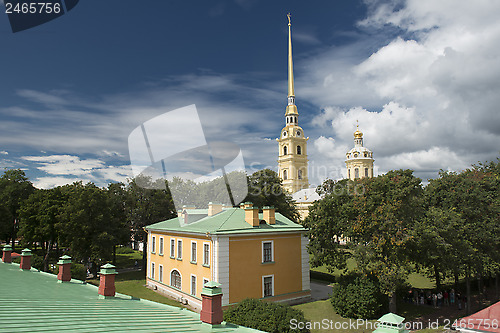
(33, 301)
(391, 318)
(229, 221)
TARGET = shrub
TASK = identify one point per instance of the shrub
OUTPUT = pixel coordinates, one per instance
(357, 296)
(264, 316)
(78, 272)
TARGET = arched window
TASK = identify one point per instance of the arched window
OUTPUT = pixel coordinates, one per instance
(295, 119)
(299, 150)
(356, 173)
(284, 175)
(349, 173)
(300, 174)
(175, 279)
(285, 150)
(366, 172)
(365, 155)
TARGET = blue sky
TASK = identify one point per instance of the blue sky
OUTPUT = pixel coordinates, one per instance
(420, 76)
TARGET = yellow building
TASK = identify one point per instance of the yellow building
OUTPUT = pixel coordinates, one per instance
(292, 143)
(359, 160)
(252, 254)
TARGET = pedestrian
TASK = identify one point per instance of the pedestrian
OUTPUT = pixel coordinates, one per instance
(459, 300)
(439, 299)
(422, 301)
(434, 299)
(452, 297)
(445, 297)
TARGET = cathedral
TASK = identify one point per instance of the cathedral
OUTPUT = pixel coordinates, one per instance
(292, 150)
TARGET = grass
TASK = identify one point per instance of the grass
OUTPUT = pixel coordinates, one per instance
(133, 284)
(125, 260)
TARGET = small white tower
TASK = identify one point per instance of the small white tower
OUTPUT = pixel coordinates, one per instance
(359, 160)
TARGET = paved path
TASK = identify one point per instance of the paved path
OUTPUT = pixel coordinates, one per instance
(320, 290)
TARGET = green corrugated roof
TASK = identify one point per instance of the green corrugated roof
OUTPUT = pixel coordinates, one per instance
(229, 221)
(33, 301)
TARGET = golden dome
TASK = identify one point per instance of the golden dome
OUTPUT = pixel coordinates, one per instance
(358, 134)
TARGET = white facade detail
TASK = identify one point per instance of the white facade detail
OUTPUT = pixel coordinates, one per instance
(220, 262)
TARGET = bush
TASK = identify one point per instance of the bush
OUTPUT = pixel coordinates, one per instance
(264, 316)
(357, 296)
(78, 272)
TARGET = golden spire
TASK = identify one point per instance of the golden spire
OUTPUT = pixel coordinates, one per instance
(290, 62)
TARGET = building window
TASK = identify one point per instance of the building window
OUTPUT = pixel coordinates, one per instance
(153, 244)
(300, 174)
(365, 154)
(161, 246)
(295, 118)
(193, 252)
(193, 285)
(366, 172)
(356, 173)
(153, 270)
(267, 251)
(172, 248)
(284, 175)
(160, 274)
(285, 150)
(268, 286)
(206, 254)
(179, 249)
(175, 279)
(299, 150)
(349, 173)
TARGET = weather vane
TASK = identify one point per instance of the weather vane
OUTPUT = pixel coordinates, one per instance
(289, 21)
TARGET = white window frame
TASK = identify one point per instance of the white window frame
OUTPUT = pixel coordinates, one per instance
(272, 251)
(160, 250)
(272, 285)
(179, 249)
(172, 250)
(193, 292)
(152, 271)
(160, 273)
(153, 244)
(208, 256)
(194, 260)
(170, 278)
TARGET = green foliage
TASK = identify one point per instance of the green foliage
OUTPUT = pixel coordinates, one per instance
(264, 316)
(264, 189)
(358, 296)
(78, 272)
(37, 262)
(124, 250)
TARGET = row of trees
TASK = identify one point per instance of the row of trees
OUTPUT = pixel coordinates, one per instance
(391, 225)
(89, 221)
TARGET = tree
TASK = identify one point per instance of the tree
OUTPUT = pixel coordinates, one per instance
(39, 215)
(14, 189)
(265, 316)
(265, 189)
(146, 204)
(376, 217)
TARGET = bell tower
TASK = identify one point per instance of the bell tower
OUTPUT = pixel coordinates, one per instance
(292, 143)
(359, 160)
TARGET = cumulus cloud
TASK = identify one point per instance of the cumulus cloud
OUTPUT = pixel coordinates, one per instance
(427, 99)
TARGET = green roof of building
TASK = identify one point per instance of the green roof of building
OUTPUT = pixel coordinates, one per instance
(33, 301)
(229, 221)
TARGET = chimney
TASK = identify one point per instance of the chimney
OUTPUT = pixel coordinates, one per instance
(211, 305)
(252, 216)
(64, 269)
(269, 214)
(26, 259)
(246, 204)
(7, 254)
(107, 281)
(214, 209)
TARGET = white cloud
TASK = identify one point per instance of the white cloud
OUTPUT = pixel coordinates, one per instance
(427, 99)
(3, 152)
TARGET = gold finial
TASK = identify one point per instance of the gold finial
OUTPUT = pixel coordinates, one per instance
(358, 134)
(289, 21)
